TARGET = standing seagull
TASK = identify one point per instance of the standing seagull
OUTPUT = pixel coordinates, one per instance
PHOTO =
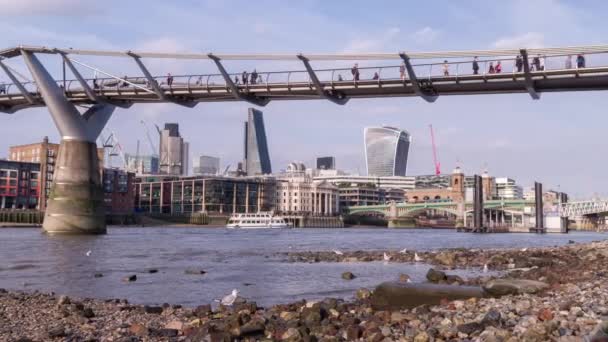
(386, 257)
(416, 257)
(88, 253)
(403, 251)
(229, 299)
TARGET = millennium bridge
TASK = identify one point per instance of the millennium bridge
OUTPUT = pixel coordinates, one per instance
(76, 200)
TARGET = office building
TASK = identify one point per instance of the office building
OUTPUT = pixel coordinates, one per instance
(212, 194)
(386, 151)
(506, 188)
(44, 154)
(119, 191)
(143, 165)
(173, 151)
(326, 163)
(19, 185)
(299, 194)
(256, 159)
(207, 166)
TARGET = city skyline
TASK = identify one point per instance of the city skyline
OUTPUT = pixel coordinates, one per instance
(466, 134)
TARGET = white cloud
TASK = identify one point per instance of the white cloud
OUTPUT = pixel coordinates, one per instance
(48, 7)
(425, 35)
(526, 40)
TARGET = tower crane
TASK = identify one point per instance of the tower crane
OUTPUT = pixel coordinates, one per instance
(435, 159)
(150, 141)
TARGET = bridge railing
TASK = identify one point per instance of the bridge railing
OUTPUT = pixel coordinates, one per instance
(333, 77)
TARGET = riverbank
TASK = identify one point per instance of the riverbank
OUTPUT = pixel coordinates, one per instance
(573, 305)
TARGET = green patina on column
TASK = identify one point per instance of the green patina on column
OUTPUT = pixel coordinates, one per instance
(76, 201)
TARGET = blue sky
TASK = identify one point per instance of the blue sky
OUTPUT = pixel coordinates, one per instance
(558, 140)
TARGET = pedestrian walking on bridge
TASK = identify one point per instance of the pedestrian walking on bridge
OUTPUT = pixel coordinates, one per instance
(475, 66)
(355, 72)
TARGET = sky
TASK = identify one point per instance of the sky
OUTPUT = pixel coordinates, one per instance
(557, 140)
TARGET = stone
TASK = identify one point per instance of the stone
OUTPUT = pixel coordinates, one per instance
(422, 337)
(153, 309)
(397, 317)
(291, 334)
(470, 328)
(153, 270)
(63, 300)
(348, 276)
(202, 310)
(600, 333)
(288, 315)
(195, 271)
(395, 295)
(176, 325)
(492, 318)
(545, 314)
(88, 313)
(454, 279)
(446, 258)
(363, 294)
(130, 278)
(435, 276)
(251, 328)
(501, 287)
(404, 278)
(56, 332)
(352, 332)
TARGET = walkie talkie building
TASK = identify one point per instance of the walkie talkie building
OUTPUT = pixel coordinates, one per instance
(386, 150)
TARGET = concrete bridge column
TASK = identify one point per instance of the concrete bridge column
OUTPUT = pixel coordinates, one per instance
(76, 201)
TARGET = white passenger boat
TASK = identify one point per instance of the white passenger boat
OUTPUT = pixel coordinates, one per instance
(256, 221)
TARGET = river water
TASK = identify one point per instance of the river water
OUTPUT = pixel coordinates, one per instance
(250, 261)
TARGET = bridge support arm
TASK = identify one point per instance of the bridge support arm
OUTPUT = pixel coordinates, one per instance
(256, 100)
(28, 97)
(85, 86)
(335, 98)
(151, 81)
(427, 95)
(527, 76)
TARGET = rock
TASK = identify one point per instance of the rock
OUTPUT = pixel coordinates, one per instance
(348, 276)
(545, 314)
(288, 315)
(570, 242)
(501, 287)
(352, 332)
(470, 328)
(194, 271)
(153, 270)
(397, 317)
(63, 300)
(454, 279)
(435, 276)
(98, 275)
(164, 332)
(600, 333)
(404, 278)
(422, 337)
(130, 278)
(363, 294)
(536, 332)
(153, 309)
(446, 258)
(291, 334)
(56, 332)
(175, 325)
(491, 318)
(88, 313)
(394, 295)
(203, 310)
(251, 328)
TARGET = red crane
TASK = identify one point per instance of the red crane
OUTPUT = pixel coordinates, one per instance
(435, 160)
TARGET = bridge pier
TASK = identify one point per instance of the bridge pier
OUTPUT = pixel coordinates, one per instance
(76, 201)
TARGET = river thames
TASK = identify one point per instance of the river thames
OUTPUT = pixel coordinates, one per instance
(251, 261)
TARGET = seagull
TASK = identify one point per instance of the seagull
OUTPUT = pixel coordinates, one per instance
(485, 268)
(338, 252)
(524, 249)
(386, 257)
(229, 299)
(416, 257)
(403, 251)
(88, 253)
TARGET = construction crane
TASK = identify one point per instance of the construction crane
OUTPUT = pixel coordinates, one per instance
(150, 141)
(112, 148)
(435, 159)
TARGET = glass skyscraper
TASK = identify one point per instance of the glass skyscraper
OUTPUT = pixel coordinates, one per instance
(386, 150)
(257, 159)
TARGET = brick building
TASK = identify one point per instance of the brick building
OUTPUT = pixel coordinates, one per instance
(19, 185)
(119, 191)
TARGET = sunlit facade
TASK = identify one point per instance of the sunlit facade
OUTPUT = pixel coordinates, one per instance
(386, 151)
